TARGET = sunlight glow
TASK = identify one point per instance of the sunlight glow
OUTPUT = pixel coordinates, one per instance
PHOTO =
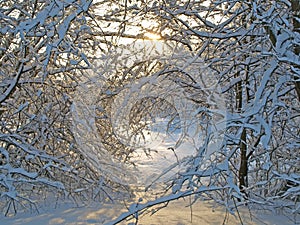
(152, 36)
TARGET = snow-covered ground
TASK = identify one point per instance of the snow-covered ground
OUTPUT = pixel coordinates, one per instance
(175, 214)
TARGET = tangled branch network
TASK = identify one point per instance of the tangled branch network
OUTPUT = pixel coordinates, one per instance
(143, 111)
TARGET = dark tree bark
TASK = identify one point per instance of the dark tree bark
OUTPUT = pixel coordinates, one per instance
(243, 171)
(296, 28)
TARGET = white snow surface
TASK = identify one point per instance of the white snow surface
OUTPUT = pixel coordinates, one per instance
(177, 213)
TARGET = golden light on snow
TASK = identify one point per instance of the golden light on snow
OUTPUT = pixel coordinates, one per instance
(152, 36)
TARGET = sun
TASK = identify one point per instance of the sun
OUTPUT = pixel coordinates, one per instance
(152, 36)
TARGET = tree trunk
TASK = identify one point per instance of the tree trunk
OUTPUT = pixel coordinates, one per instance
(243, 171)
(296, 28)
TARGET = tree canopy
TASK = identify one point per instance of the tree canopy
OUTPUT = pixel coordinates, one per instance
(81, 81)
